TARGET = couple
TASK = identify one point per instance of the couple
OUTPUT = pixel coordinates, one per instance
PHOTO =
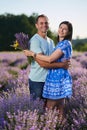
(49, 76)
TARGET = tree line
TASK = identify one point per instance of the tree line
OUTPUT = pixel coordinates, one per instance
(80, 44)
(11, 24)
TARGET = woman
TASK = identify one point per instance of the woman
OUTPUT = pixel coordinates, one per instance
(58, 84)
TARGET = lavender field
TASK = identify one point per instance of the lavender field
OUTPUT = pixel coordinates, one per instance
(18, 111)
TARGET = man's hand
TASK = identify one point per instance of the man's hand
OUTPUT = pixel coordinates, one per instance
(66, 64)
(28, 53)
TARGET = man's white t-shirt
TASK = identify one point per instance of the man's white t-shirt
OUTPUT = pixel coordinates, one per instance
(39, 45)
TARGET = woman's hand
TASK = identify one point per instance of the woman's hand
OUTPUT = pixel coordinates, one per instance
(28, 53)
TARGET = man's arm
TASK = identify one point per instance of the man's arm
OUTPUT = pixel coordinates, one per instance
(64, 64)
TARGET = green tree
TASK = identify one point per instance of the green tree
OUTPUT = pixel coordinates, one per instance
(80, 46)
(11, 24)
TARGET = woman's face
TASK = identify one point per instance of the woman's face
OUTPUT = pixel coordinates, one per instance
(63, 31)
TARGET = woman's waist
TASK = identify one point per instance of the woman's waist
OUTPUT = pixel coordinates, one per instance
(59, 71)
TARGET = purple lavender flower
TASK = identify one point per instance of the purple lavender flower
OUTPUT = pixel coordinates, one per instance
(22, 43)
(23, 40)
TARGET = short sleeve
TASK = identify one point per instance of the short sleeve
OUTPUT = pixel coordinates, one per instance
(35, 46)
(63, 46)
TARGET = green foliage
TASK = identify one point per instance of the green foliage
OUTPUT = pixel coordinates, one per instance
(11, 24)
(24, 66)
(80, 46)
(52, 36)
(14, 73)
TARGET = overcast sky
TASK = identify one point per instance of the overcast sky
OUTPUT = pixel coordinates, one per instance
(57, 11)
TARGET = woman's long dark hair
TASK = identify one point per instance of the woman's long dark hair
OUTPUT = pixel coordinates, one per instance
(70, 29)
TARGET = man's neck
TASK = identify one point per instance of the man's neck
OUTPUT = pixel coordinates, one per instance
(43, 35)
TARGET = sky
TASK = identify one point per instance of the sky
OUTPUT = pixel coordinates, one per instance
(57, 11)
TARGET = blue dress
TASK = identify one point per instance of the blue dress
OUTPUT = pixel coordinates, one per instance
(58, 82)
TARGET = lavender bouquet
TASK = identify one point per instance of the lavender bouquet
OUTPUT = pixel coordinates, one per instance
(22, 43)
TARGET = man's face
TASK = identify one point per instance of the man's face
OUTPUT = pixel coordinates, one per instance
(42, 25)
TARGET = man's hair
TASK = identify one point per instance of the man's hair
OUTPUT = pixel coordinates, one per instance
(41, 16)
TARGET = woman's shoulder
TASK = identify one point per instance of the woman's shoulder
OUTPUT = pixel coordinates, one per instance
(63, 44)
(66, 43)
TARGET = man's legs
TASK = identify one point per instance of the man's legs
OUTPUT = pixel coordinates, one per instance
(36, 89)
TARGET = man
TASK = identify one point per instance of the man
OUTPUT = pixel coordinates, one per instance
(42, 44)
